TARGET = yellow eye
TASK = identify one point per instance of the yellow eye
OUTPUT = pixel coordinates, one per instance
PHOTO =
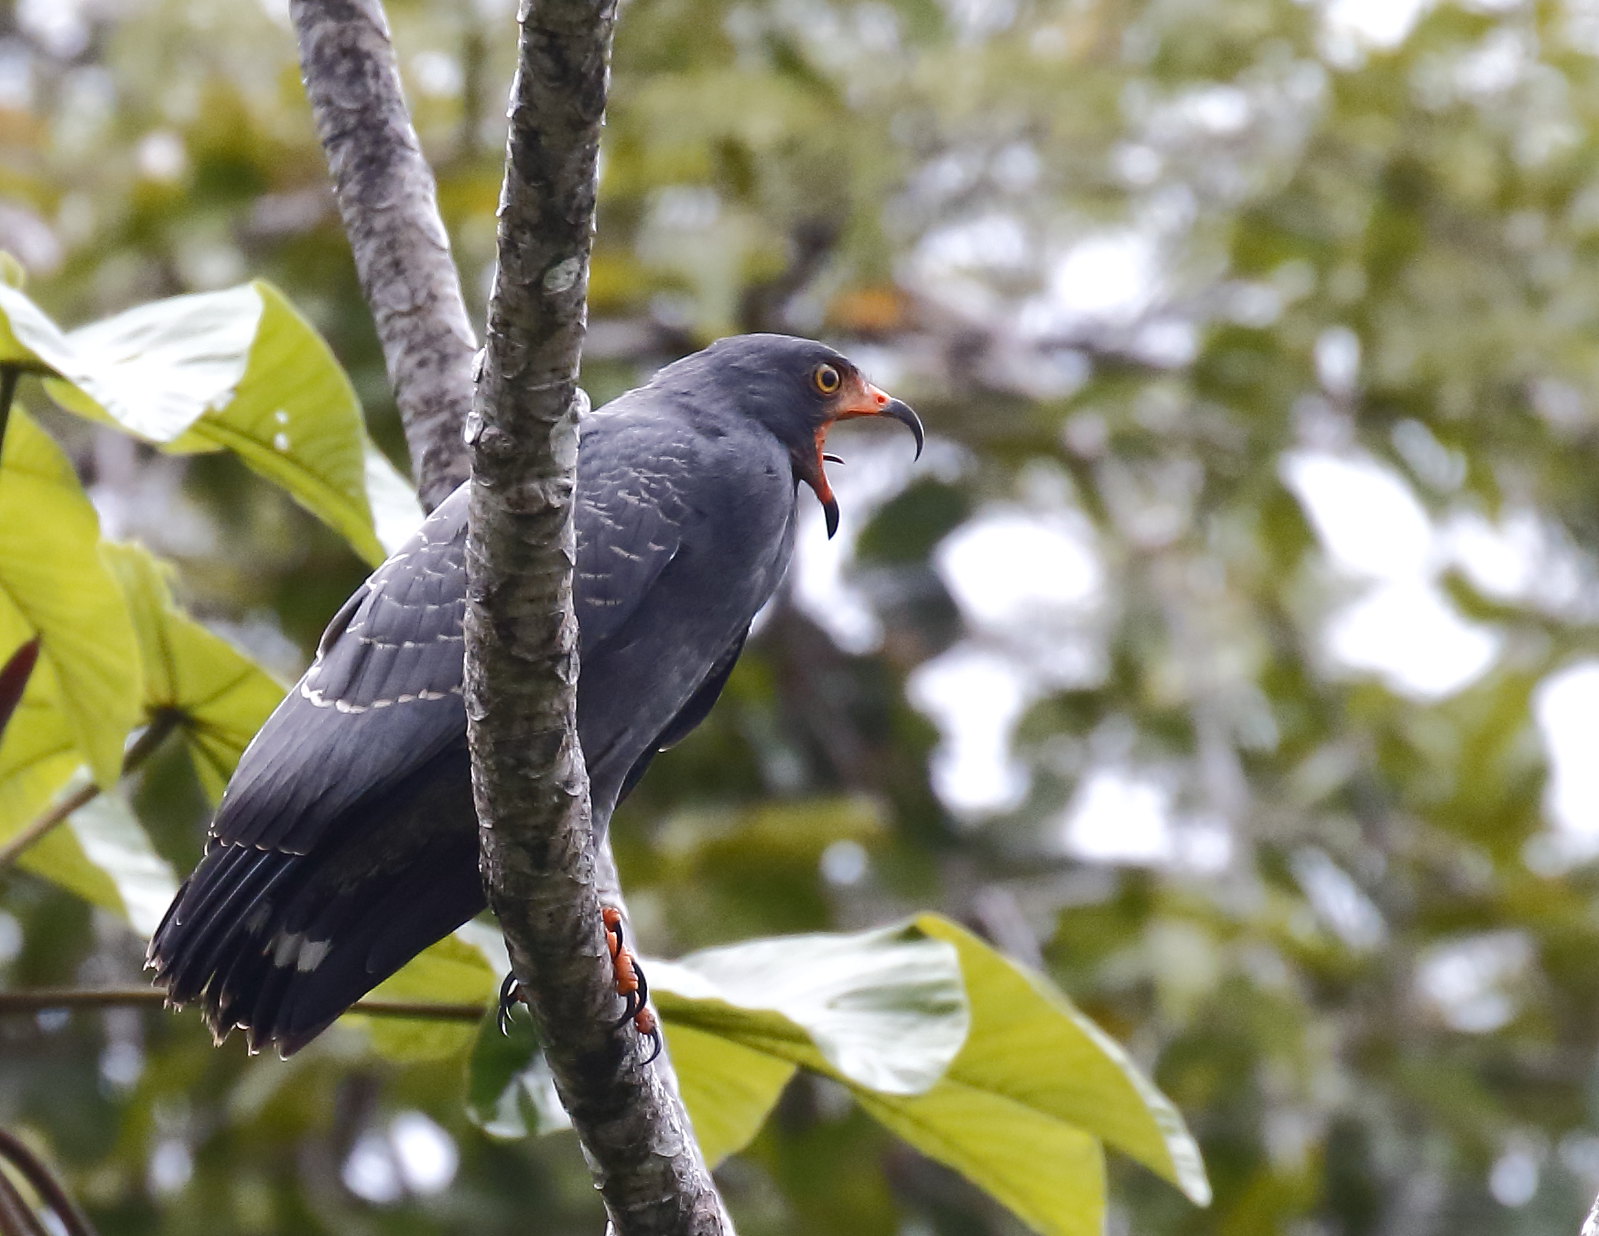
(827, 379)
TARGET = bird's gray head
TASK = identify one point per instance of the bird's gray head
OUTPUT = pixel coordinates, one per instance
(796, 388)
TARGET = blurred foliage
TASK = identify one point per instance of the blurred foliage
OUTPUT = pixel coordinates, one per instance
(1143, 268)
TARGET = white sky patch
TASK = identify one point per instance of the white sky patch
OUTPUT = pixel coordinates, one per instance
(1107, 279)
(371, 1172)
(427, 1155)
(171, 1165)
(1410, 636)
(875, 473)
(1373, 23)
(413, 1155)
(1374, 529)
(1338, 360)
(990, 240)
(1470, 982)
(1366, 517)
(1119, 817)
(162, 156)
(437, 73)
(1218, 109)
(1029, 583)
(1566, 707)
(1513, 1179)
(1011, 566)
(1521, 559)
(1502, 559)
(61, 26)
(975, 698)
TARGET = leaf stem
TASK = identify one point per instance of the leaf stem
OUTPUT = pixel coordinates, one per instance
(16, 1216)
(43, 1181)
(10, 375)
(44, 999)
(162, 723)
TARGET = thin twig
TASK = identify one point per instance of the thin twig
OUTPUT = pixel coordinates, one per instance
(389, 204)
(155, 733)
(51, 1192)
(45, 999)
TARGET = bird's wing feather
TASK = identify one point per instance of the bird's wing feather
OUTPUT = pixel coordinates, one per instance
(629, 515)
(389, 665)
(389, 669)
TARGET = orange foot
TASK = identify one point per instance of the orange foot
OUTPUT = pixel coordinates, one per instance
(630, 983)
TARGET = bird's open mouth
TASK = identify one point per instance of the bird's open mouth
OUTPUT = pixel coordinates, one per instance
(860, 398)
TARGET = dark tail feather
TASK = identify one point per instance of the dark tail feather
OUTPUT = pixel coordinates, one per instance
(212, 917)
(280, 944)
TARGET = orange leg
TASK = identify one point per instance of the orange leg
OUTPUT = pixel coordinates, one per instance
(630, 983)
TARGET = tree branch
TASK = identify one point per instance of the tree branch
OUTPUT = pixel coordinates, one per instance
(387, 199)
(521, 636)
(50, 1190)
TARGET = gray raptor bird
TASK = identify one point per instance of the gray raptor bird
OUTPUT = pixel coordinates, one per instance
(346, 842)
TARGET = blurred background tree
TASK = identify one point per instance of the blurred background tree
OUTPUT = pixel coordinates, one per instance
(1231, 656)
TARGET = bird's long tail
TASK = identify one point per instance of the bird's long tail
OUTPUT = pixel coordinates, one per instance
(279, 944)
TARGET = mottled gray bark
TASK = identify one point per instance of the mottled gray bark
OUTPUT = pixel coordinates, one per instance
(387, 199)
(540, 865)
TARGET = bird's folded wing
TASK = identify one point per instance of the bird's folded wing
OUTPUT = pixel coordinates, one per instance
(381, 698)
(630, 511)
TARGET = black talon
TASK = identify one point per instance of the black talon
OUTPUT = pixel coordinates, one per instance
(630, 999)
(655, 1039)
(831, 458)
(508, 1002)
(643, 984)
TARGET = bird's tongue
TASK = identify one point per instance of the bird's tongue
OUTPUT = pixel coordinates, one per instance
(819, 484)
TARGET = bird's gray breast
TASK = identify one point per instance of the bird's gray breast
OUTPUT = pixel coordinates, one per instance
(684, 531)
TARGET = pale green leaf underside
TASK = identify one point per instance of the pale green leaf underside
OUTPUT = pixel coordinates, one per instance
(238, 369)
(1033, 1062)
(54, 584)
(222, 696)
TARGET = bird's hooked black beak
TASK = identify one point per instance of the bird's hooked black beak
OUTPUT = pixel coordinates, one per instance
(864, 400)
(899, 410)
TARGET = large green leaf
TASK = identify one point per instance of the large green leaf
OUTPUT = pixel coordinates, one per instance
(1034, 1090)
(237, 369)
(456, 969)
(37, 753)
(881, 1008)
(154, 369)
(220, 695)
(728, 1088)
(53, 584)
